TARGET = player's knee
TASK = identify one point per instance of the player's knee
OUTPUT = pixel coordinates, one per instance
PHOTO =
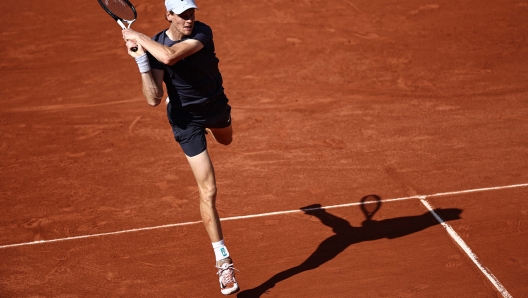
(208, 194)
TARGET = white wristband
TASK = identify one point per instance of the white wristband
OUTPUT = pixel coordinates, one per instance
(143, 63)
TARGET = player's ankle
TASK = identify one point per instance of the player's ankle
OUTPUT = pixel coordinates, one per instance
(220, 250)
(224, 261)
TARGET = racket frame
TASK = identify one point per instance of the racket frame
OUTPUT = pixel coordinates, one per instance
(121, 20)
(118, 19)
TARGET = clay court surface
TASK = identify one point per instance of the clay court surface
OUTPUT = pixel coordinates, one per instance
(424, 104)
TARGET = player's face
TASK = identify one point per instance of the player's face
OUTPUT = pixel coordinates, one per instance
(184, 22)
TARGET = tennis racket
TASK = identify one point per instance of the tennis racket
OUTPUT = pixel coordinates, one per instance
(122, 11)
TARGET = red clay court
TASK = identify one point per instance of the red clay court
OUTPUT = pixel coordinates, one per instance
(423, 104)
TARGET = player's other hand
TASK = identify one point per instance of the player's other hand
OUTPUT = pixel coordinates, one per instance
(129, 34)
(131, 44)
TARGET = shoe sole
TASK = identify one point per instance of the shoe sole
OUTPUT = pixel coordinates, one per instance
(230, 291)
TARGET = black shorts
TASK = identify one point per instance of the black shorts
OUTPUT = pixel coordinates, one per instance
(188, 125)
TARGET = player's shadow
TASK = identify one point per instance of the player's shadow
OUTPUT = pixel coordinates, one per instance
(346, 235)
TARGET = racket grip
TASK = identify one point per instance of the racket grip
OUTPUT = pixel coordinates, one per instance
(134, 49)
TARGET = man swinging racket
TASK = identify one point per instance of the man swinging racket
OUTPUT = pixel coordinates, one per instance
(183, 57)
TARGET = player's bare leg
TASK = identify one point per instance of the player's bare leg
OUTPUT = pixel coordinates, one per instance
(203, 171)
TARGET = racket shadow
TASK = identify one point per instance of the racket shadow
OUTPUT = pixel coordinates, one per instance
(346, 235)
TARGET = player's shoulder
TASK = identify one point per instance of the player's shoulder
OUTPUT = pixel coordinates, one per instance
(202, 32)
(202, 27)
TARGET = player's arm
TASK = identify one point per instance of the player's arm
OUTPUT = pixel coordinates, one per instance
(164, 54)
(151, 79)
(151, 86)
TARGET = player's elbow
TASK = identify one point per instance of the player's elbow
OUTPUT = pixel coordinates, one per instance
(170, 57)
(166, 61)
(169, 60)
(153, 101)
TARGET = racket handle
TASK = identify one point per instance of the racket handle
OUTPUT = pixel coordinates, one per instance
(134, 49)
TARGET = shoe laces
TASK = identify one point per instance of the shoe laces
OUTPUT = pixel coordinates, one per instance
(227, 274)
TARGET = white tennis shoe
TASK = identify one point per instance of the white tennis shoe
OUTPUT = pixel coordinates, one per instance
(228, 283)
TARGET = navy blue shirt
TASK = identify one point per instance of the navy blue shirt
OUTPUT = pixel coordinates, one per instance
(196, 79)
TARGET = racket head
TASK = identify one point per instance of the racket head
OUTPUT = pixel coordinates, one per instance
(370, 204)
(121, 10)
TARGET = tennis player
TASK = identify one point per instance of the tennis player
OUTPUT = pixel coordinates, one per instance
(183, 57)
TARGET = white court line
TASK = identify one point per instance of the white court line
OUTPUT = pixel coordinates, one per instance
(443, 194)
(422, 198)
(259, 215)
(192, 223)
(101, 234)
(468, 251)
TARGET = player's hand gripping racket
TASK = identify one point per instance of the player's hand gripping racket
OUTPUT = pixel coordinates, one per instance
(122, 11)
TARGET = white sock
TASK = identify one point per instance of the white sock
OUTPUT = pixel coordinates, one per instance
(220, 250)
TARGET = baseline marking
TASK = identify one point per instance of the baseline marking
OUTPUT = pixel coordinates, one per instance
(101, 234)
(420, 197)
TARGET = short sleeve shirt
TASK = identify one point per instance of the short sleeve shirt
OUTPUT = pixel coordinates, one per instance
(196, 79)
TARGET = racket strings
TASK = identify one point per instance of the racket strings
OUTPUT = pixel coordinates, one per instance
(121, 9)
